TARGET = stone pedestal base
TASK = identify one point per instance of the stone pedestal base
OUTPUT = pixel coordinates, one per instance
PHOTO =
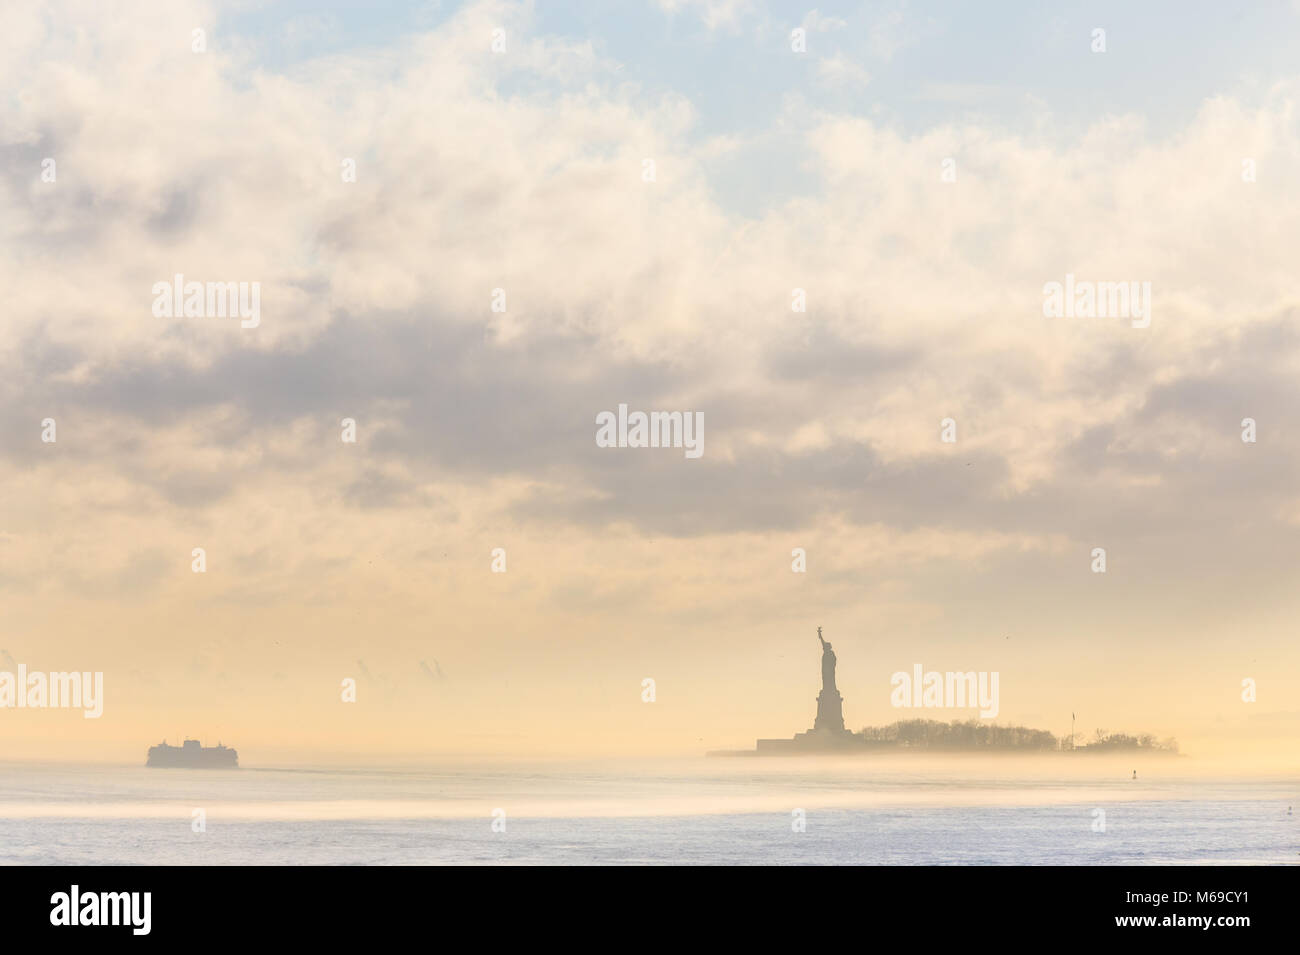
(830, 713)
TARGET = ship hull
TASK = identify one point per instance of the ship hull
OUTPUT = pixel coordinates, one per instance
(192, 757)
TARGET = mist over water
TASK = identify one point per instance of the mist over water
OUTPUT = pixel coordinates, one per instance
(895, 810)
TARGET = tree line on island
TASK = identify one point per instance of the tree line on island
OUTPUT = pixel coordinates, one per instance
(976, 734)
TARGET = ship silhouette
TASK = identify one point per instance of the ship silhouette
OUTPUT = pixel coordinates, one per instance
(192, 755)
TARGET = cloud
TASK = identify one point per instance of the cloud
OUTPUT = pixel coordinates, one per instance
(838, 70)
(713, 13)
(816, 21)
(523, 173)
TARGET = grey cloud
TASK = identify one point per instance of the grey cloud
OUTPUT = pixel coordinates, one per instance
(436, 399)
(822, 356)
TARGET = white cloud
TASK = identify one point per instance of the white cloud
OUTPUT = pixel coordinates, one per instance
(838, 70)
(175, 162)
(815, 21)
(713, 13)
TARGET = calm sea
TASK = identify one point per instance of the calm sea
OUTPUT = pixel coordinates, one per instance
(720, 811)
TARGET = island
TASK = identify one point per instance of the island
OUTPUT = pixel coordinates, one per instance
(829, 735)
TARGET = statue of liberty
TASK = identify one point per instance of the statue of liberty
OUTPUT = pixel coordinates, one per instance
(828, 664)
(830, 705)
(828, 733)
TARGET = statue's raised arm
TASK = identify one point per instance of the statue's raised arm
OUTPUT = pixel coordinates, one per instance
(819, 637)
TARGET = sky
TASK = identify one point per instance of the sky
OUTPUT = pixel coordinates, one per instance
(502, 268)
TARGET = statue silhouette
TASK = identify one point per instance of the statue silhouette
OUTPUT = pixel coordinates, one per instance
(828, 664)
(830, 705)
(828, 733)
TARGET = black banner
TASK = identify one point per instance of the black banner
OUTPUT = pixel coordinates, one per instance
(979, 905)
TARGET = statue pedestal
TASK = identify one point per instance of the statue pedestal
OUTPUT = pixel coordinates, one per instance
(830, 713)
(828, 734)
